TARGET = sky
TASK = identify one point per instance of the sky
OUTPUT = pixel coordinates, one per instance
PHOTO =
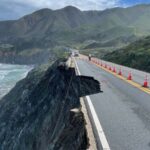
(14, 9)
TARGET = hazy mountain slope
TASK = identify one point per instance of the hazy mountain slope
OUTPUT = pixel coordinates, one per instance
(46, 21)
(43, 22)
(71, 27)
(135, 55)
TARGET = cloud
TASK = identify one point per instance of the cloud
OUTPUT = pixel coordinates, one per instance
(81, 4)
(11, 9)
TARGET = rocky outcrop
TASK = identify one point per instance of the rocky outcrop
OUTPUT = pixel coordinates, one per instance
(13, 57)
(23, 54)
(42, 112)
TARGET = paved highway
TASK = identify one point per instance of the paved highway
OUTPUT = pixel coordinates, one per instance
(137, 75)
(122, 109)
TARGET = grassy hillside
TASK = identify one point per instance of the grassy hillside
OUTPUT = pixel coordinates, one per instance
(136, 55)
(90, 31)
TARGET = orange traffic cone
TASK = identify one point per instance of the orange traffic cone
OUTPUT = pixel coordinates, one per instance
(114, 70)
(129, 76)
(110, 68)
(120, 72)
(145, 84)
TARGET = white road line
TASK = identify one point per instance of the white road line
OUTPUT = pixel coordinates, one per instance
(77, 67)
(98, 126)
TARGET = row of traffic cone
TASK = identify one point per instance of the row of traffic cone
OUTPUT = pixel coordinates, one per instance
(145, 84)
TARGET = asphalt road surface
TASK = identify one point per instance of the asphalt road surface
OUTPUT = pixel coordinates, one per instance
(137, 75)
(123, 110)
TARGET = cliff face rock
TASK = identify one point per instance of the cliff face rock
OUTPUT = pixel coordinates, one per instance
(39, 112)
(34, 56)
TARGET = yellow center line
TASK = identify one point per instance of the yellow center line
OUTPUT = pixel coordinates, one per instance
(146, 90)
(135, 84)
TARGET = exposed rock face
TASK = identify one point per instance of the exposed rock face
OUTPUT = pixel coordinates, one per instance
(13, 57)
(37, 113)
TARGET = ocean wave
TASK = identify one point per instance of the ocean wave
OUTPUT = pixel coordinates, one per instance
(9, 75)
(3, 74)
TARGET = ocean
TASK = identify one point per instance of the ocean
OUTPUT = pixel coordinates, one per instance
(10, 75)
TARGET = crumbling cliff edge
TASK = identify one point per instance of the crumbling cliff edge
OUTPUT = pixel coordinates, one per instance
(39, 113)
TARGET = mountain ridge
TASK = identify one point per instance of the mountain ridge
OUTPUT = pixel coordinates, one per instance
(46, 12)
(71, 27)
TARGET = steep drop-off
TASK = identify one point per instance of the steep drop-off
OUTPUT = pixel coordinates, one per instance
(37, 113)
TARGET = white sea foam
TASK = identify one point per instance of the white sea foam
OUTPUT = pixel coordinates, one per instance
(3, 74)
(9, 75)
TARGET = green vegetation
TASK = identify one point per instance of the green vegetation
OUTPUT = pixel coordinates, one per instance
(136, 55)
(96, 32)
(61, 52)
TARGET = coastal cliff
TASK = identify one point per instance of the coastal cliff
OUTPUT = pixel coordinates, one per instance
(42, 112)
